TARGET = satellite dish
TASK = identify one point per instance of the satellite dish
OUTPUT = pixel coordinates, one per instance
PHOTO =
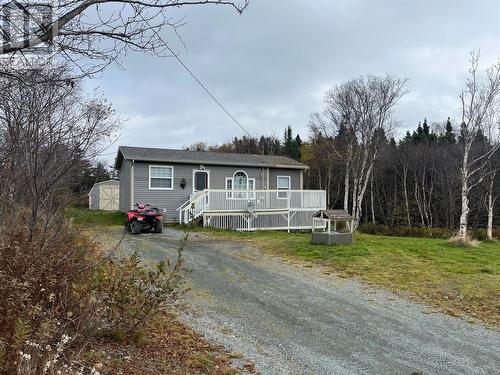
(250, 206)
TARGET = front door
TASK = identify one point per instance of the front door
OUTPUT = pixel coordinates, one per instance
(200, 181)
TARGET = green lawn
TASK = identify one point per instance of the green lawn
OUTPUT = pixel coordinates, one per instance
(459, 280)
(84, 216)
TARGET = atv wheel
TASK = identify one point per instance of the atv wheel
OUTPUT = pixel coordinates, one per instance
(158, 226)
(135, 227)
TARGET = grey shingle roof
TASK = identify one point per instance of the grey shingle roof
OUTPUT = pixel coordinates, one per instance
(202, 157)
(334, 214)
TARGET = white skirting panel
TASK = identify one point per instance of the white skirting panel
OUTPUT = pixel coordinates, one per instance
(293, 220)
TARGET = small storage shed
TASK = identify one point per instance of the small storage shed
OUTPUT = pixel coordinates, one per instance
(325, 226)
(105, 196)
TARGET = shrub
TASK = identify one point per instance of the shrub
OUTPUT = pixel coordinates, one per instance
(131, 292)
(479, 234)
(57, 292)
(468, 241)
(40, 313)
(380, 229)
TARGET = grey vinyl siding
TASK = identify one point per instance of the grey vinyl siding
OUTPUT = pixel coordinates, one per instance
(94, 198)
(294, 180)
(125, 186)
(170, 200)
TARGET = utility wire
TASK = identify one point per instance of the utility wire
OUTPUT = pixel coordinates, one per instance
(198, 80)
(209, 93)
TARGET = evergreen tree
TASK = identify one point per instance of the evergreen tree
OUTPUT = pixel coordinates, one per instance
(449, 135)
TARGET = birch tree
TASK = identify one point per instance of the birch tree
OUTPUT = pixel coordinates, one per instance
(491, 194)
(479, 109)
(362, 109)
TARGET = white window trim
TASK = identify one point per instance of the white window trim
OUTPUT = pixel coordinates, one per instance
(208, 178)
(283, 189)
(229, 192)
(161, 166)
(248, 192)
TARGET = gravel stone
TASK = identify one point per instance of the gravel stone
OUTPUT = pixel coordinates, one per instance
(290, 319)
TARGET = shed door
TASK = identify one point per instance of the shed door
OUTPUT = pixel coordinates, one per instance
(109, 198)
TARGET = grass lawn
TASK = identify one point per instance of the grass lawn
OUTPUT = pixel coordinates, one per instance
(461, 281)
(84, 216)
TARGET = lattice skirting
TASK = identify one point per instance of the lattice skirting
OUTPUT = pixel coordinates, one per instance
(244, 221)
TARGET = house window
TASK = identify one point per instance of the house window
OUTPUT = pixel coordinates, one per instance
(161, 177)
(283, 183)
(251, 186)
(229, 186)
(242, 184)
(240, 181)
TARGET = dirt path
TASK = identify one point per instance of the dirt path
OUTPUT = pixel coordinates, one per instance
(295, 320)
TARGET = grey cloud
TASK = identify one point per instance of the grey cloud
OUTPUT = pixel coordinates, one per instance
(271, 65)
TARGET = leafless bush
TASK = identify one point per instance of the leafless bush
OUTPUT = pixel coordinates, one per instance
(131, 292)
(58, 295)
(467, 241)
(47, 126)
(42, 313)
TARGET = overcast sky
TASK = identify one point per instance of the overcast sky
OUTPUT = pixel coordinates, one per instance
(271, 66)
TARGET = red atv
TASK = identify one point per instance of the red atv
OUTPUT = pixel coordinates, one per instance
(145, 218)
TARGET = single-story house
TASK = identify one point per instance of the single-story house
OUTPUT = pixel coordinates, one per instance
(105, 196)
(225, 190)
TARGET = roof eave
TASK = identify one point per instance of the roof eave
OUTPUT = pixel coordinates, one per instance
(164, 160)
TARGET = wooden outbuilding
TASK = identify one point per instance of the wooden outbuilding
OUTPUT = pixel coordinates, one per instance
(105, 196)
(326, 229)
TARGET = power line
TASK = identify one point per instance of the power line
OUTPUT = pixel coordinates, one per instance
(209, 93)
(197, 80)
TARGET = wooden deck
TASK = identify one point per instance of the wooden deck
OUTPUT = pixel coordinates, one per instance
(248, 210)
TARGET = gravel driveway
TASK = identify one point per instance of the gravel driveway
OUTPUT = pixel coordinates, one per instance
(289, 319)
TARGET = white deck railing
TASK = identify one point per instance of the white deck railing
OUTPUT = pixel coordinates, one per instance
(264, 200)
(193, 208)
(254, 209)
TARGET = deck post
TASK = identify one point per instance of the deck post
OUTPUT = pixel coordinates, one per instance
(288, 204)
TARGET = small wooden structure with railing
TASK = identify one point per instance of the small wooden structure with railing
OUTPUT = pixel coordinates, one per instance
(248, 210)
(326, 229)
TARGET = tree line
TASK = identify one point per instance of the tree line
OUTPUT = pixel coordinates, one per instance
(290, 145)
(440, 175)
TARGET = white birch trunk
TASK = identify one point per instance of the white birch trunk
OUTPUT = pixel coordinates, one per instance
(489, 227)
(464, 213)
(347, 178)
(371, 199)
(490, 205)
(405, 175)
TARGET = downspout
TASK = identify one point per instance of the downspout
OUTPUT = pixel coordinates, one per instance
(132, 184)
(301, 183)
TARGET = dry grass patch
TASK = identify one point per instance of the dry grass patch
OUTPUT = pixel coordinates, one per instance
(167, 346)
